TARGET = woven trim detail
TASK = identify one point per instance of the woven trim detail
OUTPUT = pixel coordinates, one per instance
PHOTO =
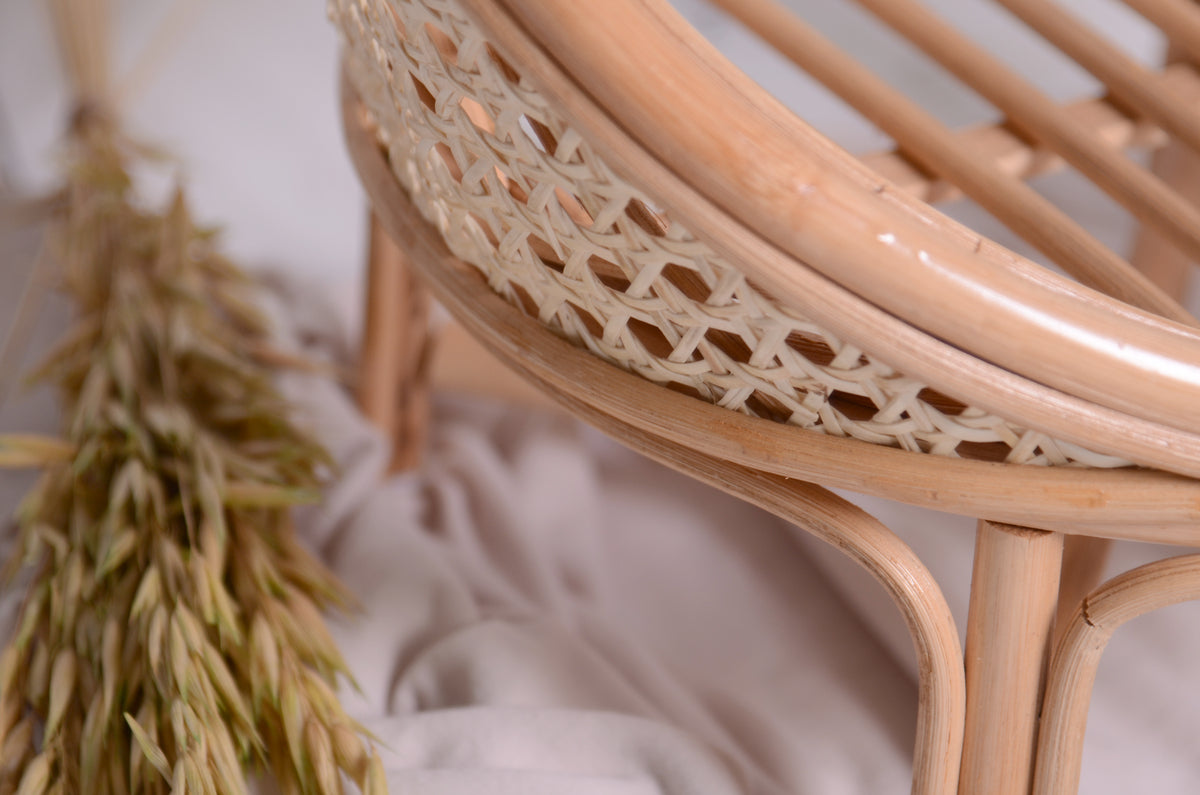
(519, 194)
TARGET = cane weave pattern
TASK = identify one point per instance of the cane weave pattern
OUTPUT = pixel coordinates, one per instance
(520, 195)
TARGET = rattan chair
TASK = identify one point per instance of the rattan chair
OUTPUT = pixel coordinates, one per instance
(618, 213)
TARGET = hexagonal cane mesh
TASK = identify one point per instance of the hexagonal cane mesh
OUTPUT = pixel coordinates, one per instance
(519, 194)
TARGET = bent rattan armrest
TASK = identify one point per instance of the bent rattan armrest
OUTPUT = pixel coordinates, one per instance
(618, 213)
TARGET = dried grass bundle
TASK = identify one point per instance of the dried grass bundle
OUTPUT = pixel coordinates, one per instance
(172, 635)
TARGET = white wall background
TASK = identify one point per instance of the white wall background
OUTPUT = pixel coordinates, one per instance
(243, 91)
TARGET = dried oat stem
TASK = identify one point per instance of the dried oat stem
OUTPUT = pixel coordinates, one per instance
(172, 635)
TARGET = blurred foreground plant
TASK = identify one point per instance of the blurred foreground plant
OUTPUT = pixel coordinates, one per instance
(172, 635)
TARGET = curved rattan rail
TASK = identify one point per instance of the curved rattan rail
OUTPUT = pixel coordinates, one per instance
(624, 196)
(927, 359)
(1122, 503)
(1115, 503)
(562, 371)
(789, 185)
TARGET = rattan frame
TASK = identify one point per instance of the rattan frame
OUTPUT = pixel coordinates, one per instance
(825, 240)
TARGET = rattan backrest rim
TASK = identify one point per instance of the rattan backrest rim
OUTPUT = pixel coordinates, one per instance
(1140, 504)
(940, 151)
(820, 206)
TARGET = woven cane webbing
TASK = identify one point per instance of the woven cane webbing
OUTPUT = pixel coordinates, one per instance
(520, 195)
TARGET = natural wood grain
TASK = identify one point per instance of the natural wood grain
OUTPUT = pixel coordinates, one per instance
(1030, 347)
(1163, 263)
(942, 692)
(1084, 559)
(1179, 166)
(379, 361)
(461, 365)
(946, 367)
(1014, 590)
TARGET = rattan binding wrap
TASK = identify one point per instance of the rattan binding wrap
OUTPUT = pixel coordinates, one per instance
(520, 195)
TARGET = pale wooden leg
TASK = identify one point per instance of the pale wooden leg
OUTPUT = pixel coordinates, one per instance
(393, 366)
(1084, 559)
(1014, 591)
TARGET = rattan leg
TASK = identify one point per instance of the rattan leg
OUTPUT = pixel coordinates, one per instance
(1014, 592)
(1166, 266)
(1084, 559)
(393, 369)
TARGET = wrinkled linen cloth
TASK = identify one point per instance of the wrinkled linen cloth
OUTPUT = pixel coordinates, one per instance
(548, 612)
(545, 612)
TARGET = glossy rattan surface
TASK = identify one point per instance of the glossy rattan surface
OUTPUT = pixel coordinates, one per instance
(519, 194)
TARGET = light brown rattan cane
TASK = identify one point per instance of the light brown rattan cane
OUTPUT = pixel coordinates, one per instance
(623, 196)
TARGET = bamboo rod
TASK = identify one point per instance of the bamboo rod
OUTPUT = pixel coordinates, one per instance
(1179, 19)
(1128, 81)
(1014, 590)
(1038, 116)
(1013, 155)
(393, 365)
(1077, 656)
(936, 148)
